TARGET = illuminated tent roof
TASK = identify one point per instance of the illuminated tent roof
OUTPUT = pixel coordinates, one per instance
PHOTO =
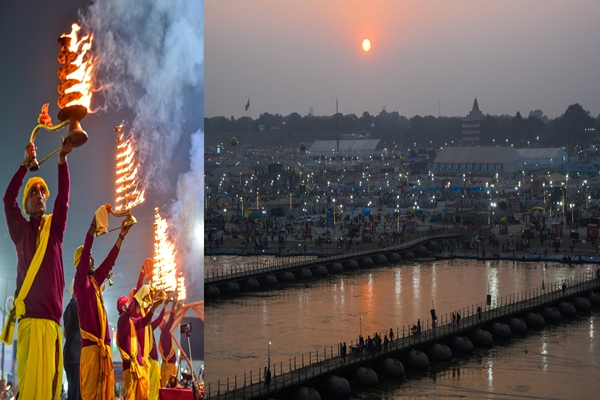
(346, 146)
(478, 155)
(543, 153)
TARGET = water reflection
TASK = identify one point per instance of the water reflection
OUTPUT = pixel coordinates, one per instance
(490, 374)
(398, 284)
(416, 286)
(544, 351)
(492, 278)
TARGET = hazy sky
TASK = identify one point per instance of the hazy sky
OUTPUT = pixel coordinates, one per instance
(29, 30)
(288, 56)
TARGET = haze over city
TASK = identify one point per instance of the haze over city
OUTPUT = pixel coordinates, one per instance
(426, 58)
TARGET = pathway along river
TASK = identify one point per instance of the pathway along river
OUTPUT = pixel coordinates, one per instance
(560, 362)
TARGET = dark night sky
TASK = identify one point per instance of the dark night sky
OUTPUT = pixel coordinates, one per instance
(29, 31)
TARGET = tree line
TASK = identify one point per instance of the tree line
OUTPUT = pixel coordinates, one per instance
(575, 127)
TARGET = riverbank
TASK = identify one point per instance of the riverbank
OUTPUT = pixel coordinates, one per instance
(582, 252)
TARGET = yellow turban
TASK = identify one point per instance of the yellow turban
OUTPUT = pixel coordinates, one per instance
(77, 255)
(33, 181)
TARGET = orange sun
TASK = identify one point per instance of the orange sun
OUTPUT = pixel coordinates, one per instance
(366, 45)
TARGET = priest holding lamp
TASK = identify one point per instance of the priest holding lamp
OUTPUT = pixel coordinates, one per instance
(40, 277)
(96, 373)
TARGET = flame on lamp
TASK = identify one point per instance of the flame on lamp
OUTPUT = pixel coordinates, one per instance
(75, 87)
(128, 194)
(165, 269)
(181, 291)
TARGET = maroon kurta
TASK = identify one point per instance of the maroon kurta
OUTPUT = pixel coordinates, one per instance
(45, 297)
(84, 291)
(124, 331)
(165, 338)
(155, 324)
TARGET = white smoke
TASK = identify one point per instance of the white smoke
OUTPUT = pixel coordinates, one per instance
(149, 52)
(187, 219)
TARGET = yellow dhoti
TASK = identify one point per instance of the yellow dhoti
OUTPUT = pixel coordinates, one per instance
(39, 358)
(154, 379)
(145, 372)
(135, 378)
(97, 379)
(135, 383)
(166, 371)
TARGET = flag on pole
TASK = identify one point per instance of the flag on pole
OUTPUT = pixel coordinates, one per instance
(248, 104)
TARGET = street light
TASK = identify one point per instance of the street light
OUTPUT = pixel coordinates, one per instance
(566, 190)
(398, 213)
(572, 206)
(269, 356)
(490, 211)
(334, 214)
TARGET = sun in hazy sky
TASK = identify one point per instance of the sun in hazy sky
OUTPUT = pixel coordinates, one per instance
(366, 45)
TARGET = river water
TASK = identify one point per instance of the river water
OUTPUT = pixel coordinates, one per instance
(560, 362)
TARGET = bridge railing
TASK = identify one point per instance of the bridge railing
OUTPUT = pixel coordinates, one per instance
(322, 361)
(275, 265)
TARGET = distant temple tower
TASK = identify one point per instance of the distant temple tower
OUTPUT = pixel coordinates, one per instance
(471, 126)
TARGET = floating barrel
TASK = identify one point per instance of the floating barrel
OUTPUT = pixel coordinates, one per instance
(286, 277)
(461, 345)
(534, 320)
(582, 305)
(364, 376)
(380, 259)
(268, 280)
(250, 283)
(408, 255)
(415, 359)
(350, 265)
(394, 258)
(566, 309)
(336, 386)
(500, 330)
(213, 292)
(390, 367)
(481, 338)
(432, 246)
(303, 273)
(594, 299)
(517, 326)
(319, 270)
(231, 287)
(439, 352)
(421, 251)
(335, 268)
(551, 314)
(366, 262)
(305, 393)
